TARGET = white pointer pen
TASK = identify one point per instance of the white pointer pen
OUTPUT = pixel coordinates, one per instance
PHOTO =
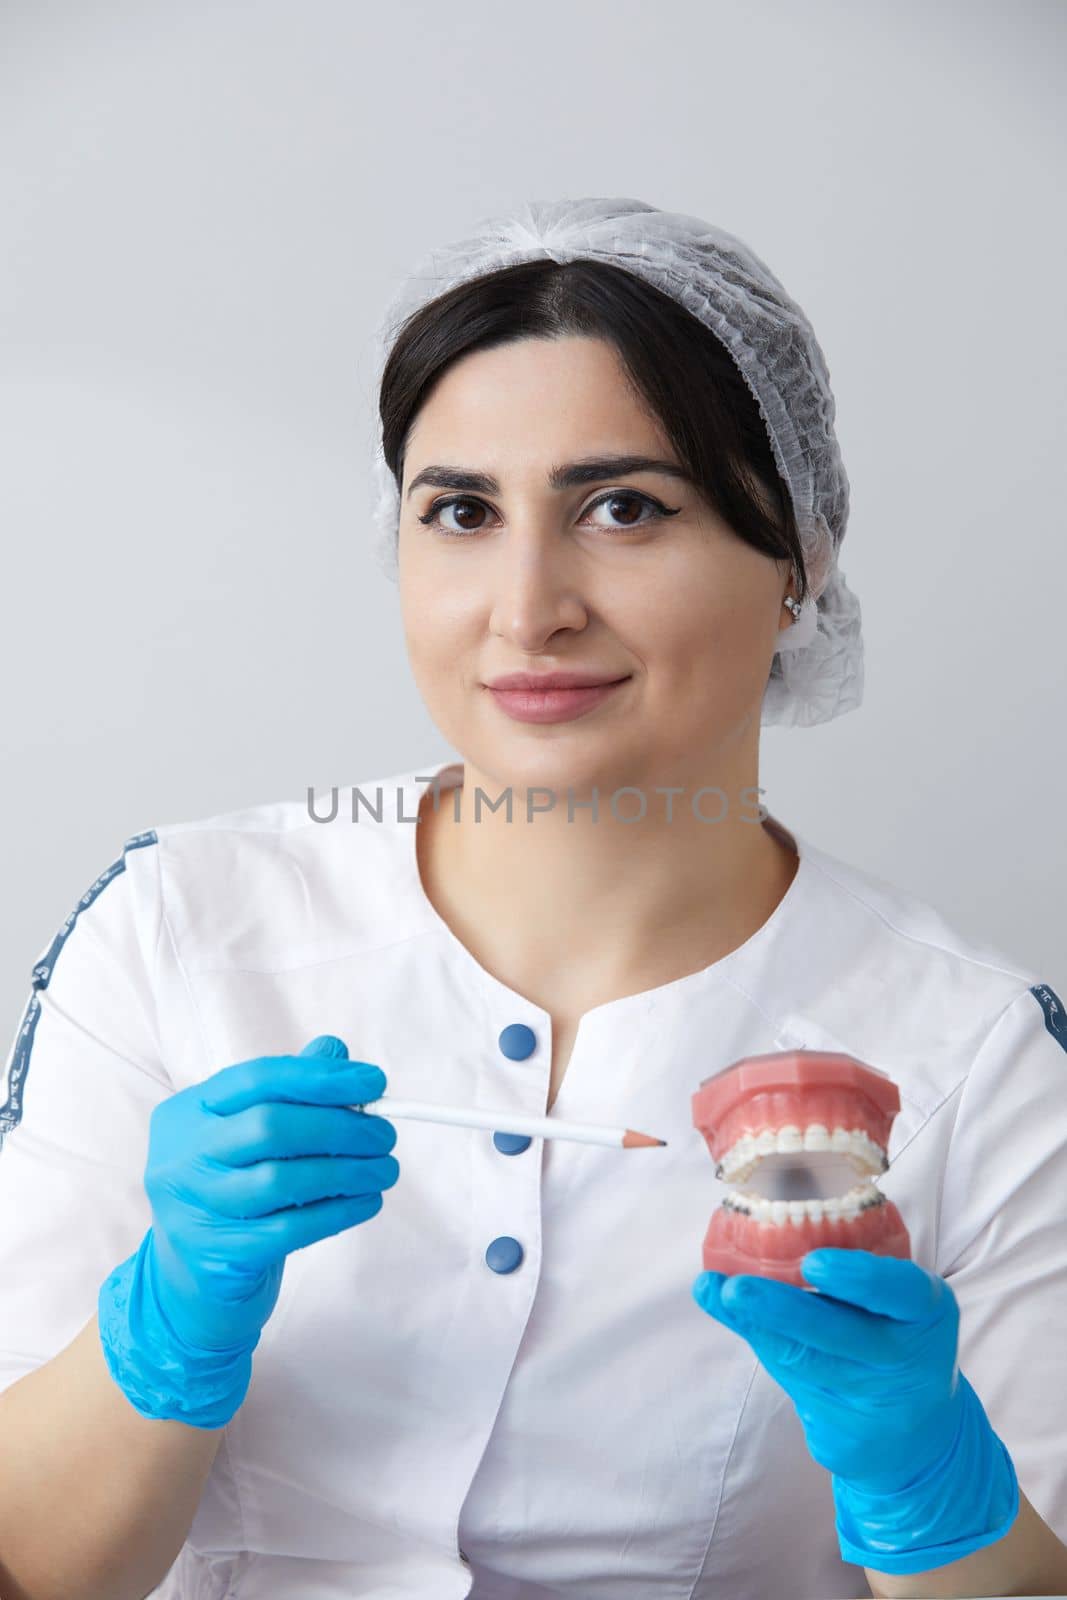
(509, 1121)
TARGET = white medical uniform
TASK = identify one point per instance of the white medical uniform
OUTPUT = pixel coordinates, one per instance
(422, 1425)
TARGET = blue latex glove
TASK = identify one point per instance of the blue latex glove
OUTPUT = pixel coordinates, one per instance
(920, 1479)
(259, 1159)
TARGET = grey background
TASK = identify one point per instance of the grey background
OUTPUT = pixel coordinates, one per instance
(204, 209)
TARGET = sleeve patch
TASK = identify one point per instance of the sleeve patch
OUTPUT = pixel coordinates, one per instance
(1055, 1013)
(18, 1063)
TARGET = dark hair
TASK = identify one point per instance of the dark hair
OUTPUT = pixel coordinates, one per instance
(683, 372)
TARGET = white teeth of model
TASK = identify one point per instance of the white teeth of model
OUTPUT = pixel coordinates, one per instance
(854, 1143)
(845, 1206)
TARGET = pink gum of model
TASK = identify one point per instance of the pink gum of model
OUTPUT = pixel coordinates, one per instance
(798, 1088)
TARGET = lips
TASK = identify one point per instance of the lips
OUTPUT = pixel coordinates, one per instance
(552, 705)
(794, 1131)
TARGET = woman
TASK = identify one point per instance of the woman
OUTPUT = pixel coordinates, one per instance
(607, 450)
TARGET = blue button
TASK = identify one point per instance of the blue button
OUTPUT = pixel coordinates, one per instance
(517, 1041)
(504, 1254)
(511, 1144)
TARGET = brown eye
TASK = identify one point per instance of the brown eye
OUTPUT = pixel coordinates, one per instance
(615, 497)
(457, 503)
(636, 501)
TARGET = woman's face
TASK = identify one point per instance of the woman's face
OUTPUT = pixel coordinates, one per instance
(525, 577)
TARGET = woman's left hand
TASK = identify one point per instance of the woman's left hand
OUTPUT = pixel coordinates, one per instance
(870, 1363)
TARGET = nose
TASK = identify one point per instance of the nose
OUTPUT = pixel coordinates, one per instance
(535, 587)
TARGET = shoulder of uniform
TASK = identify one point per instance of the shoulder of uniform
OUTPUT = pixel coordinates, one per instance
(885, 975)
(913, 930)
(378, 799)
(290, 882)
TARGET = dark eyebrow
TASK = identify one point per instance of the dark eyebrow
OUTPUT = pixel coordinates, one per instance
(570, 475)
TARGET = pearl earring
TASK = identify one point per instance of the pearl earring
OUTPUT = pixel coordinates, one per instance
(794, 606)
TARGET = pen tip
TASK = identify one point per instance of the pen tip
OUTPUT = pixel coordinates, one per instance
(632, 1140)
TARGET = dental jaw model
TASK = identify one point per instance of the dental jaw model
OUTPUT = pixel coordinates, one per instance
(800, 1136)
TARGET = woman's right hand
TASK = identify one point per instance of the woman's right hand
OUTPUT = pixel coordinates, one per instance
(260, 1159)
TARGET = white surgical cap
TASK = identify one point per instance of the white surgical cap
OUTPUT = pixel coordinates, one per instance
(817, 670)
